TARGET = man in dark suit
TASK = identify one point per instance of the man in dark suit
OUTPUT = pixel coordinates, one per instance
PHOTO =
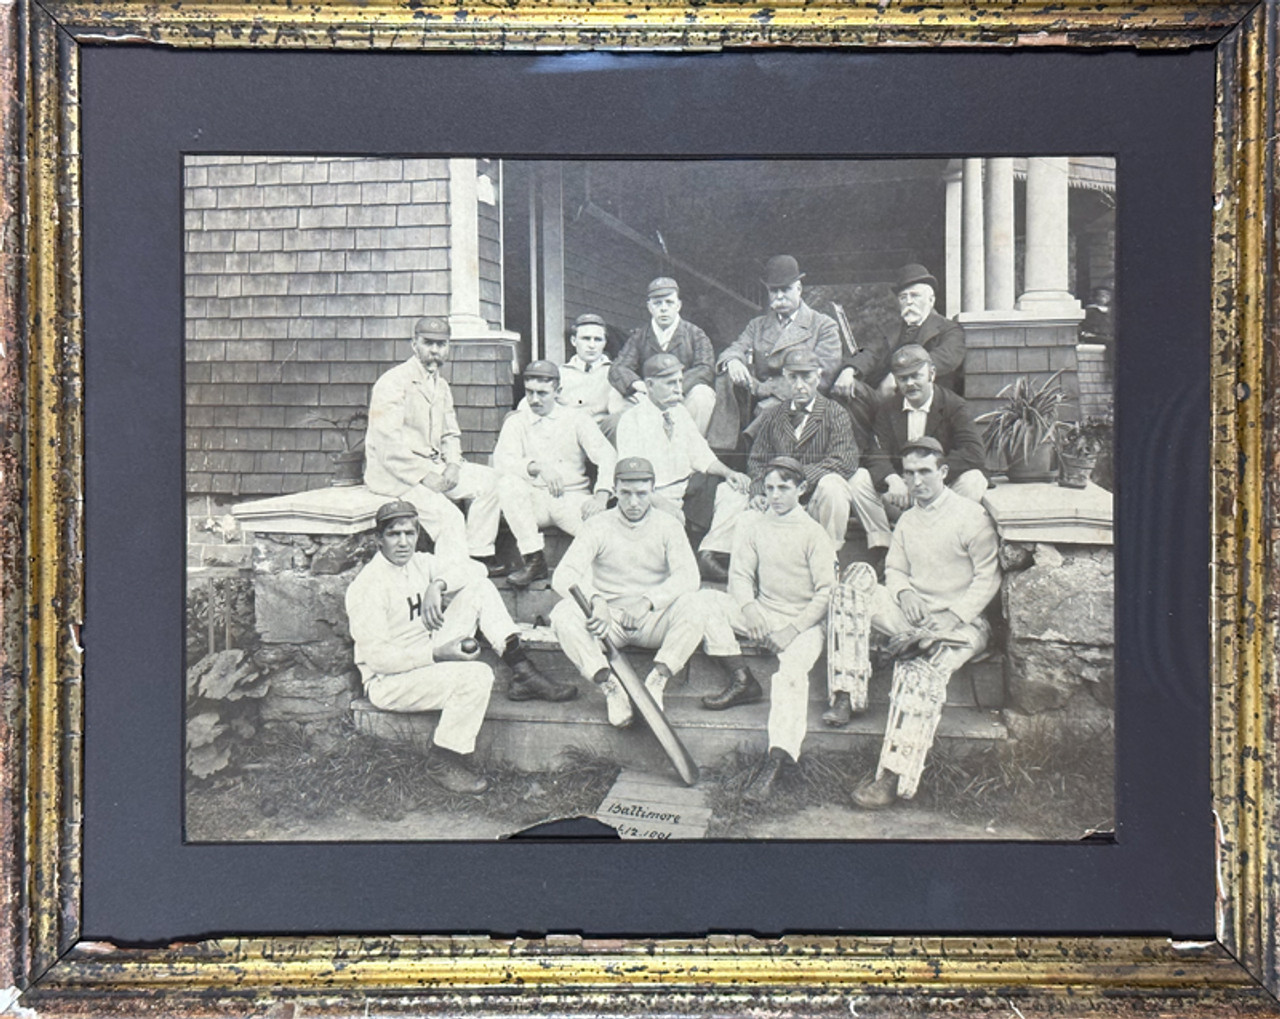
(816, 433)
(925, 409)
(754, 360)
(668, 333)
(865, 378)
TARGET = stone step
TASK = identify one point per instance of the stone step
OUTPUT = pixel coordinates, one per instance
(535, 734)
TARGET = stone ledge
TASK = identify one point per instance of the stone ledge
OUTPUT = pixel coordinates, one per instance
(1048, 513)
(331, 510)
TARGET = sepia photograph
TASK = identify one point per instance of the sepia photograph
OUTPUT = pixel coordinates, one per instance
(728, 499)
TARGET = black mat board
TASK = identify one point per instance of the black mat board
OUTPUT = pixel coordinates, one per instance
(144, 107)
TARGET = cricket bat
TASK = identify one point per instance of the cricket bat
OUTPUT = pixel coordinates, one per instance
(643, 700)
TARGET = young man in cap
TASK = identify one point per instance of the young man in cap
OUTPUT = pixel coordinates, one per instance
(413, 451)
(661, 430)
(865, 378)
(668, 333)
(638, 571)
(780, 578)
(815, 432)
(409, 613)
(754, 360)
(925, 409)
(941, 572)
(546, 447)
(584, 378)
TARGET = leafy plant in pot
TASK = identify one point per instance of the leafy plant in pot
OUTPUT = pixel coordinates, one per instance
(348, 463)
(1020, 432)
(1078, 445)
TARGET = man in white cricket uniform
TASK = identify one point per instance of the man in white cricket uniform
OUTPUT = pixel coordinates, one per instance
(413, 451)
(584, 378)
(941, 572)
(660, 429)
(637, 570)
(546, 448)
(409, 612)
(780, 576)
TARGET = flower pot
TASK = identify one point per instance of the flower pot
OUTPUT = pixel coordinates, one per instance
(348, 469)
(1075, 471)
(1036, 467)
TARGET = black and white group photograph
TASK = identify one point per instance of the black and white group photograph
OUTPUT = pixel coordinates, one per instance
(691, 499)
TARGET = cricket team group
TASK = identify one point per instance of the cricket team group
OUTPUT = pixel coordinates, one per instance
(615, 454)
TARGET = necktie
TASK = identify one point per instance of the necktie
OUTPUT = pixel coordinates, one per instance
(668, 425)
(798, 416)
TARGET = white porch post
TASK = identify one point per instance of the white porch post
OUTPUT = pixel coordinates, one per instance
(1047, 287)
(998, 206)
(465, 319)
(954, 229)
(973, 297)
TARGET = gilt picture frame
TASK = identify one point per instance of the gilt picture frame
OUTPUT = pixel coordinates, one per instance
(50, 969)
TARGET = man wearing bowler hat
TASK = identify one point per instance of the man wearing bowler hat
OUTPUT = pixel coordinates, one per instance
(668, 333)
(754, 360)
(413, 451)
(546, 447)
(865, 377)
(410, 613)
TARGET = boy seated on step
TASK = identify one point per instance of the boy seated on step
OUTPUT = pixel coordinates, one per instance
(941, 572)
(410, 613)
(635, 566)
(780, 577)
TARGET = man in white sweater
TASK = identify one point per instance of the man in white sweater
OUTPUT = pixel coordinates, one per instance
(409, 614)
(636, 568)
(780, 575)
(941, 572)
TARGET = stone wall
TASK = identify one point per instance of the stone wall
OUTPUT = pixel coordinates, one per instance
(1096, 384)
(1059, 604)
(997, 352)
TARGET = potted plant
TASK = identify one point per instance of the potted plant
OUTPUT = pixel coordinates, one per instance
(348, 463)
(1078, 445)
(1021, 431)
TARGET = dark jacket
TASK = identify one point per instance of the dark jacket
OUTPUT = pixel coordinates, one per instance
(825, 446)
(942, 338)
(763, 346)
(689, 343)
(950, 421)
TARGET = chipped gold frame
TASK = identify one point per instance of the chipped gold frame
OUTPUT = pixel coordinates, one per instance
(40, 954)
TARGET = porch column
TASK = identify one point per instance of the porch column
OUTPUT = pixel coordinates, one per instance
(552, 257)
(998, 206)
(954, 230)
(465, 319)
(1047, 291)
(973, 295)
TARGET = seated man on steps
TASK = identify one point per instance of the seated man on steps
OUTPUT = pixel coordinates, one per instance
(818, 434)
(926, 408)
(409, 614)
(780, 578)
(546, 448)
(941, 572)
(638, 571)
(584, 378)
(661, 430)
(413, 451)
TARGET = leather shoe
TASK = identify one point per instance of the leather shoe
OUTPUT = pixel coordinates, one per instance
(714, 566)
(495, 567)
(883, 792)
(534, 568)
(841, 712)
(452, 772)
(528, 684)
(762, 785)
(743, 688)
